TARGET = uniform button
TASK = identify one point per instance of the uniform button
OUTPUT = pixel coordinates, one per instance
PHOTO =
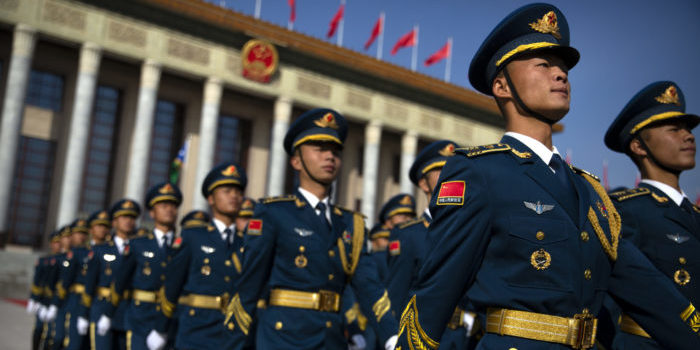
(206, 260)
(330, 277)
(682, 260)
(163, 264)
(227, 279)
(191, 312)
(331, 253)
(278, 325)
(242, 249)
(228, 263)
(329, 324)
(302, 249)
(585, 311)
(584, 236)
(539, 235)
(230, 326)
(137, 303)
(587, 274)
(157, 307)
(162, 277)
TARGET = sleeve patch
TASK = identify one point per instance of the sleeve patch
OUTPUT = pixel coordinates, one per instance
(451, 193)
(177, 243)
(255, 227)
(395, 247)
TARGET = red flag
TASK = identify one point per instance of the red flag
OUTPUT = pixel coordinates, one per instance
(407, 40)
(378, 27)
(637, 180)
(293, 14)
(439, 55)
(605, 176)
(697, 200)
(335, 21)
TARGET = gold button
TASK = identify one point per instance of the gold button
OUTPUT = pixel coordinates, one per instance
(206, 260)
(230, 326)
(163, 264)
(329, 324)
(157, 307)
(228, 263)
(278, 325)
(162, 277)
(191, 312)
(330, 277)
(585, 311)
(302, 249)
(137, 303)
(242, 249)
(540, 235)
(584, 236)
(682, 260)
(587, 274)
(331, 253)
(227, 279)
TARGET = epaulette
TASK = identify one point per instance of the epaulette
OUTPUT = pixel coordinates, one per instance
(581, 171)
(338, 210)
(411, 222)
(492, 148)
(629, 193)
(287, 198)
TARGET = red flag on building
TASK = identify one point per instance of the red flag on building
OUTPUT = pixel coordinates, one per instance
(335, 21)
(439, 55)
(606, 184)
(378, 28)
(407, 40)
(293, 13)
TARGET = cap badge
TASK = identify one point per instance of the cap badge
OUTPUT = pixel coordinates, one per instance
(448, 150)
(167, 188)
(406, 200)
(327, 121)
(547, 25)
(669, 96)
(230, 171)
(128, 205)
(199, 215)
(102, 215)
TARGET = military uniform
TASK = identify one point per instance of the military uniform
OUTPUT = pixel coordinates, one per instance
(195, 218)
(307, 252)
(657, 219)
(535, 243)
(205, 264)
(72, 281)
(40, 296)
(57, 296)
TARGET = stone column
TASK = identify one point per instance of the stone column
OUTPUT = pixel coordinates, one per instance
(213, 88)
(278, 157)
(79, 132)
(143, 131)
(409, 144)
(373, 138)
(13, 105)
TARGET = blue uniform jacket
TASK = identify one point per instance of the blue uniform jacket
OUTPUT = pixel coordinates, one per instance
(289, 247)
(490, 244)
(102, 268)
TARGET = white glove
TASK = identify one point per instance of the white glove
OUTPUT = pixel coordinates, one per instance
(391, 343)
(155, 340)
(358, 342)
(103, 325)
(32, 306)
(82, 325)
(468, 319)
(51, 313)
(42, 313)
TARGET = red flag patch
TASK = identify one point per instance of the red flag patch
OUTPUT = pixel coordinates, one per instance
(177, 243)
(255, 227)
(451, 193)
(395, 247)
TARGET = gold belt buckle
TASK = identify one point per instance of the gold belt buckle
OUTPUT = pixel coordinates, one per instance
(587, 325)
(223, 302)
(328, 301)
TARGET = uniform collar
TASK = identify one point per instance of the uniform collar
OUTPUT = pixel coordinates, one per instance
(161, 236)
(313, 201)
(676, 197)
(537, 147)
(222, 227)
(120, 243)
(426, 212)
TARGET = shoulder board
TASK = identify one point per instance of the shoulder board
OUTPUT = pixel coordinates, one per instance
(629, 193)
(492, 148)
(581, 172)
(411, 222)
(287, 198)
(339, 211)
(696, 208)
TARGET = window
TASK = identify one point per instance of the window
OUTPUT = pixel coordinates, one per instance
(232, 140)
(166, 141)
(45, 90)
(98, 162)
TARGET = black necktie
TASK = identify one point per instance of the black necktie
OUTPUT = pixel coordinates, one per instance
(558, 165)
(228, 233)
(322, 215)
(686, 205)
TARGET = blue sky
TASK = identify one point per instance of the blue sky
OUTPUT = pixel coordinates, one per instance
(624, 46)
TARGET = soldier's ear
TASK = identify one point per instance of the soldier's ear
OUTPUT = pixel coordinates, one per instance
(636, 149)
(210, 199)
(500, 87)
(295, 161)
(424, 186)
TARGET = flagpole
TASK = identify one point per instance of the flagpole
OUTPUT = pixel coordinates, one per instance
(448, 66)
(290, 25)
(341, 24)
(258, 6)
(414, 58)
(380, 43)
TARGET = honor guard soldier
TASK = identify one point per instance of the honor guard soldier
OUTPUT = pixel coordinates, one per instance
(49, 314)
(654, 130)
(205, 263)
(247, 210)
(100, 227)
(195, 218)
(307, 252)
(536, 243)
(41, 294)
(108, 318)
(398, 209)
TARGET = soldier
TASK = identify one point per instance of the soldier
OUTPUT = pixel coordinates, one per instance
(143, 269)
(50, 313)
(203, 268)
(247, 210)
(195, 218)
(307, 252)
(536, 243)
(656, 133)
(398, 209)
(41, 291)
(100, 225)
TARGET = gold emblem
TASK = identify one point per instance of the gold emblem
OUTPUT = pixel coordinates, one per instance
(660, 199)
(682, 277)
(300, 261)
(547, 25)
(147, 271)
(199, 215)
(81, 223)
(327, 121)
(602, 209)
(206, 270)
(669, 96)
(406, 200)
(167, 188)
(108, 271)
(128, 205)
(448, 150)
(230, 171)
(540, 259)
(102, 215)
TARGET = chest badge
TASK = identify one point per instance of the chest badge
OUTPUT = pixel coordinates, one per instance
(540, 259)
(682, 277)
(206, 270)
(108, 271)
(677, 238)
(207, 249)
(147, 270)
(602, 209)
(303, 232)
(538, 207)
(300, 261)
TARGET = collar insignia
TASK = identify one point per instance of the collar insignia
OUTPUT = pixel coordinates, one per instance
(547, 24)
(669, 96)
(303, 232)
(603, 210)
(538, 207)
(327, 121)
(677, 238)
(148, 254)
(448, 150)
(230, 171)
